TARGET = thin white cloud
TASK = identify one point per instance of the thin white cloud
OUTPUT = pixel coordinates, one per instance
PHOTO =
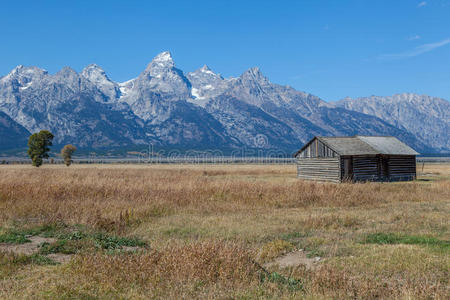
(414, 37)
(417, 51)
(422, 4)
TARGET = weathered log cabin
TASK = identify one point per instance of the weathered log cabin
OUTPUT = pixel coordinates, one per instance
(356, 158)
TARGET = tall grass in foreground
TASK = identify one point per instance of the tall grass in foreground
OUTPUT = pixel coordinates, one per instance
(208, 225)
(100, 196)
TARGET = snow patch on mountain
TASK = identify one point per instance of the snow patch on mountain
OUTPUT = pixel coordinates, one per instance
(126, 86)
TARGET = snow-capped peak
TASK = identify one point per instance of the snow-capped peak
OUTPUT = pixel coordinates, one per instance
(21, 69)
(254, 74)
(17, 69)
(93, 68)
(206, 73)
(207, 70)
(24, 74)
(95, 74)
(163, 56)
(164, 59)
(161, 62)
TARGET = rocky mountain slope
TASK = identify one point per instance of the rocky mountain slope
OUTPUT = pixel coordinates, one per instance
(428, 118)
(169, 108)
(12, 134)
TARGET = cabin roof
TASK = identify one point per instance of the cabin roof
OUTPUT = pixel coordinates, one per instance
(365, 145)
(388, 145)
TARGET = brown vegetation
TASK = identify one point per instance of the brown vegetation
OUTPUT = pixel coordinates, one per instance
(210, 227)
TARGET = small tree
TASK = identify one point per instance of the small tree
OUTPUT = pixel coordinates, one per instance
(66, 154)
(38, 146)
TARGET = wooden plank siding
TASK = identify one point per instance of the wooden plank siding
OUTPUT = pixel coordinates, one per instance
(401, 167)
(381, 168)
(317, 149)
(324, 169)
(365, 168)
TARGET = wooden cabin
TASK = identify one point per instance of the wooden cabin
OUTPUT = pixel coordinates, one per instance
(356, 158)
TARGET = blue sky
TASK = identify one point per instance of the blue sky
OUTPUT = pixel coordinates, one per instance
(332, 49)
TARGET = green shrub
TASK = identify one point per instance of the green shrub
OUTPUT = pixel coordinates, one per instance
(13, 237)
(394, 238)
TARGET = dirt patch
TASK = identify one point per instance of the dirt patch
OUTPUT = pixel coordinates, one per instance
(26, 248)
(294, 259)
(59, 257)
(428, 174)
(130, 248)
(32, 247)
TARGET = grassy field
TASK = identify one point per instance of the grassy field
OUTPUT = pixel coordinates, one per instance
(219, 231)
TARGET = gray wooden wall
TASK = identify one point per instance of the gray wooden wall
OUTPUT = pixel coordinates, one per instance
(323, 169)
(402, 167)
(365, 168)
(382, 168)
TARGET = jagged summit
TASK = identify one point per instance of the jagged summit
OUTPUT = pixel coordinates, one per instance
(163, 56)
(206, 85)
(26, 71)
(23, 77)
(161, 61)
(254, 75)
(17, 69)
(92, 67)
(66, 71)
(207, 70)
(253, 72)
(95, 73)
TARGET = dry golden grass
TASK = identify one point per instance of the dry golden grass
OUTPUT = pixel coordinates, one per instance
(207, 224)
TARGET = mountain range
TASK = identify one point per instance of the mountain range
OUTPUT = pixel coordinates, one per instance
(169, 108)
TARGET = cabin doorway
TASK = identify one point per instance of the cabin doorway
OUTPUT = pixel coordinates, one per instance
(385, 167)
(348, 169)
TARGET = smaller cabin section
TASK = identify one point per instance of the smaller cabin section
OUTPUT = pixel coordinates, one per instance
(357, 158)
(317, 161)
